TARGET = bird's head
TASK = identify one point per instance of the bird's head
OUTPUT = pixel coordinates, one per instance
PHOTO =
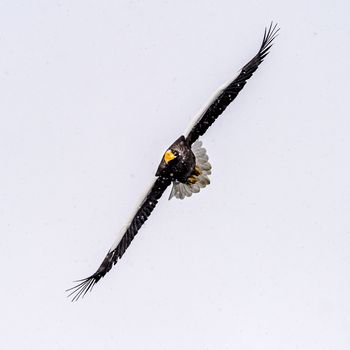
(169, 159)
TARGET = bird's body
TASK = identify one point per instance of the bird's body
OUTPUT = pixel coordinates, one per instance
(184, 164)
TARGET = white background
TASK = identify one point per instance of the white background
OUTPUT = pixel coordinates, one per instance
(92, 93)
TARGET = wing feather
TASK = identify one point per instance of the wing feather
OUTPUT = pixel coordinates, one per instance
(118, 249)
(228, 92)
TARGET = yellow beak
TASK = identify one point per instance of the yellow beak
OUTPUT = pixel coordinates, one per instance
(168, 156)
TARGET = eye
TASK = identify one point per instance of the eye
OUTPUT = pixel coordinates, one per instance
(176, 153)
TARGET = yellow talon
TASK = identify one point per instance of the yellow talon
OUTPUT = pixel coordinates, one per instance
(197, 170)
(192, 180)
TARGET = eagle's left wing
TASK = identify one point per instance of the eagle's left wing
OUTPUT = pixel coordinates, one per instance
(229, 91)
(117, 250)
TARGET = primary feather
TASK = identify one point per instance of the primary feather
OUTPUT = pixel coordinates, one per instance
(118, 248)
(229, 91)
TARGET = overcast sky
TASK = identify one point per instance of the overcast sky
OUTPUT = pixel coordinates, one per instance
(92, 93)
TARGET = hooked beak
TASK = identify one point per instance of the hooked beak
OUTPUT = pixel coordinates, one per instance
(168, 156)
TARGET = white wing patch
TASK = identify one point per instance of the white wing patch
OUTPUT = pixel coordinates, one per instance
(181, 190)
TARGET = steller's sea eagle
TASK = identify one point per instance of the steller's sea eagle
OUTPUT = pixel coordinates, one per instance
(184, 165)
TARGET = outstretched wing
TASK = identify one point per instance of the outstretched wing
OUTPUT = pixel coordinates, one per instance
(118, 249)
(229, 91)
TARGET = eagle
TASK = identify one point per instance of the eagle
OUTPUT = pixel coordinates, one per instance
(184, 165)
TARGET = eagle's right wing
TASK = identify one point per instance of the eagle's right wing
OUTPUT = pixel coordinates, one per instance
(117, 250)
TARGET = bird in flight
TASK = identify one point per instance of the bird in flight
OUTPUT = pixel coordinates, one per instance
(184, 165)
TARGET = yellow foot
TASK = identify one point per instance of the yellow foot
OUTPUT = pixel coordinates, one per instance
(192, 180)
(197, 170)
